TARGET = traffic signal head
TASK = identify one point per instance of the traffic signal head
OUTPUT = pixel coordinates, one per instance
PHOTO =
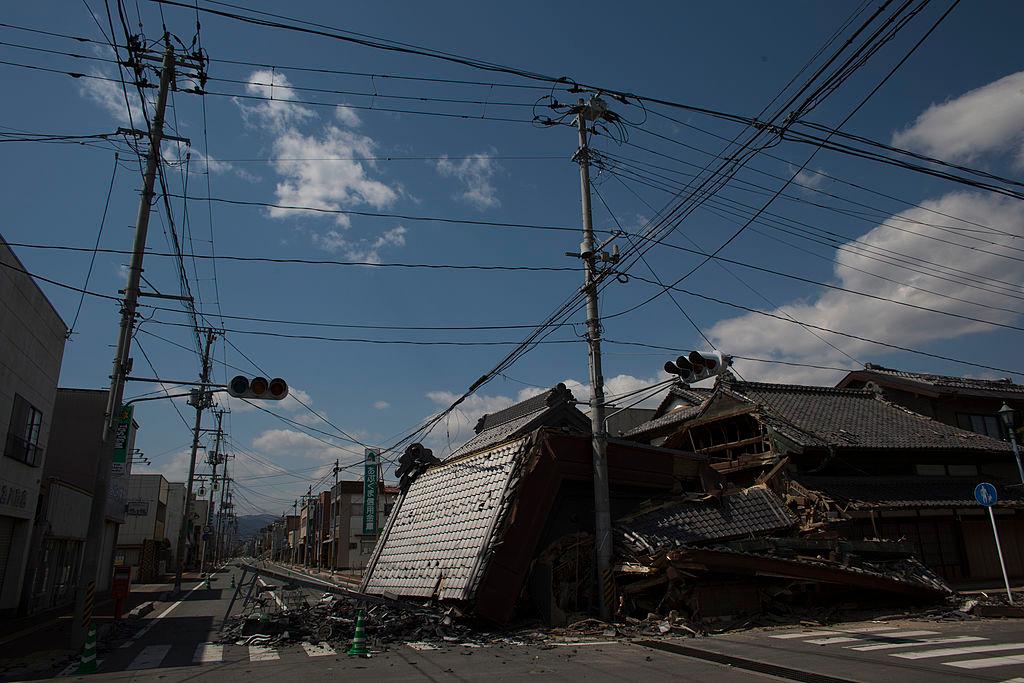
(698, 365)
(258, 387)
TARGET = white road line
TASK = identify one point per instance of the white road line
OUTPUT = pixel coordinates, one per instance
(149, 658)
(208, 653)
(259, 653)
(321, 650)
(1014, 680)
(953, 651)
(152, 622)
(865, 636)
(917, 643)
(987, 663)
(834, 632)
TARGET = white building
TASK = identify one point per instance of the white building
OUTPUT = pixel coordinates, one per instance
(32, 338)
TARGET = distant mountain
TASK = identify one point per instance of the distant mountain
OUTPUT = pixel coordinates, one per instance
(248, 525)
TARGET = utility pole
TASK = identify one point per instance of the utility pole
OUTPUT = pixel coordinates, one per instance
(84, 600)
(214, 461)
(592, 110)
(201, 398)
(335, 510)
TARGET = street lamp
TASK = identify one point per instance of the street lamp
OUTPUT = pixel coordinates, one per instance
(1006, 413)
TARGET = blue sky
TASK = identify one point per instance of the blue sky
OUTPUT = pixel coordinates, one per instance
(958, 98)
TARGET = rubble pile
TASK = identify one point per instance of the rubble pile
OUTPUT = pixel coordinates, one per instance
(754, 557)
(333, 618)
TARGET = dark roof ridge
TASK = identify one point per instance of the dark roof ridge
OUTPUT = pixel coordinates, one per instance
(737, 386)
(553, 396)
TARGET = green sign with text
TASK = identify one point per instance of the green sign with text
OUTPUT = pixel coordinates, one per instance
(122, 430)
(370, 488)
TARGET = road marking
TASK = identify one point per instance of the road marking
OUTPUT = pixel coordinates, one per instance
(152, 622)
(421, 646)
(917, 643)
(260, 653)
(1014, 680)
(987, 663)
(870, 636)
(321, 650)
(834, 632)
(952, 651)
(149, 658)
(208, 653)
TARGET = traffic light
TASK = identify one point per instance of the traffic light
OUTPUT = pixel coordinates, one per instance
(698, 365)
(258, 387)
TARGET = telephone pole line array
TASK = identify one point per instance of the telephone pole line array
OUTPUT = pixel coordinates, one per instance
(200, 399)
(594, 109)
(122, 363)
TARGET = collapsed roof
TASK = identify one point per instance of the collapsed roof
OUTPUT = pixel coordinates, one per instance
(934, 385)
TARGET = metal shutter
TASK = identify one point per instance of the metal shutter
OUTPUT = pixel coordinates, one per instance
(6, 538)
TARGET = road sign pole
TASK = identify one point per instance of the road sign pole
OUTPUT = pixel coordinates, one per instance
(999, 551)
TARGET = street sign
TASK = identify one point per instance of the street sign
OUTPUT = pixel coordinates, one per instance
(370, 487)
(121, 431)
(985, 494)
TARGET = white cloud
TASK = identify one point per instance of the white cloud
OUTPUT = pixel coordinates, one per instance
(277, 113)
(292, 444)
(110, 96)
(365, 251)
(381, 405)
(759, 336)
(474, 173)
(316, 172)
(347, 116)
(987, 119)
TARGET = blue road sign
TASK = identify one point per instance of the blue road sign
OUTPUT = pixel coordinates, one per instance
(985, 494)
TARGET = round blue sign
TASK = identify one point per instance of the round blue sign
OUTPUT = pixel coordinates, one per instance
(985, 494)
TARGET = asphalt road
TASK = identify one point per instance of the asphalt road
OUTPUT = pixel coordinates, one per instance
(177, 643)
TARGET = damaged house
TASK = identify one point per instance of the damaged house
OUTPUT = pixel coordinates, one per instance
(505, 524)
(855, 468)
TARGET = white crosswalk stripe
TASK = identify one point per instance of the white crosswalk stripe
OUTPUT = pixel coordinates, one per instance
(988, 662)
(208, 653)
(834, 632)
(953, 651)
(149, 658)
(321, 650)
(916, 643)
(260, 653)
(865, 636)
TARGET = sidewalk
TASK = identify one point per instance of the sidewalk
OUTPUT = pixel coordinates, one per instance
(43, 641)
(349, 576)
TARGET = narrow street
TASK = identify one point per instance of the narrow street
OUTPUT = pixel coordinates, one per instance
(177, 641)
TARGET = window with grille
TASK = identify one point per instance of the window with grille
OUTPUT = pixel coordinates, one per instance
(23, 434)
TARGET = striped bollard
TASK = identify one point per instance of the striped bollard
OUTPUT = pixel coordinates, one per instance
(88, 662)
(358, 648)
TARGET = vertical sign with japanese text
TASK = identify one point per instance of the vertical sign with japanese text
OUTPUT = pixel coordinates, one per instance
(370, 486)
(122, 429)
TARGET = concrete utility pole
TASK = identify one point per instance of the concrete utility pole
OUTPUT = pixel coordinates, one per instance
(122, 365)
(591, 110)
(201, 398)
(214, 461)
(335, 515)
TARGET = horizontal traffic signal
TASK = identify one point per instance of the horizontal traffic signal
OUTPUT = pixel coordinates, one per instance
(241, 386)
(698, 365)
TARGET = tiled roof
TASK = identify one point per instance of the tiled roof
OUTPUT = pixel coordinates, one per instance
(948, 382)
(442, 532)
(852, 418)
(521, 418)
(683, 392)
(905, 492)
(737, 515)
(666, 420)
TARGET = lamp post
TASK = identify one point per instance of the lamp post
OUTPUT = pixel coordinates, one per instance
(1006, 413)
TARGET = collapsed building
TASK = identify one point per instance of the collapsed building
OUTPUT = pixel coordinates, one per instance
(731, 500)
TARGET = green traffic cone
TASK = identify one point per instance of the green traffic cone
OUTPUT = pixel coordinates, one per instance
(358, 648)
(87, 665)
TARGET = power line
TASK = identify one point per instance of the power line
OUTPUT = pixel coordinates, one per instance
(99, 235)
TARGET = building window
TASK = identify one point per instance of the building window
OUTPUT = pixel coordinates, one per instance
(366, 547)
(989, 425)
(23, 434)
